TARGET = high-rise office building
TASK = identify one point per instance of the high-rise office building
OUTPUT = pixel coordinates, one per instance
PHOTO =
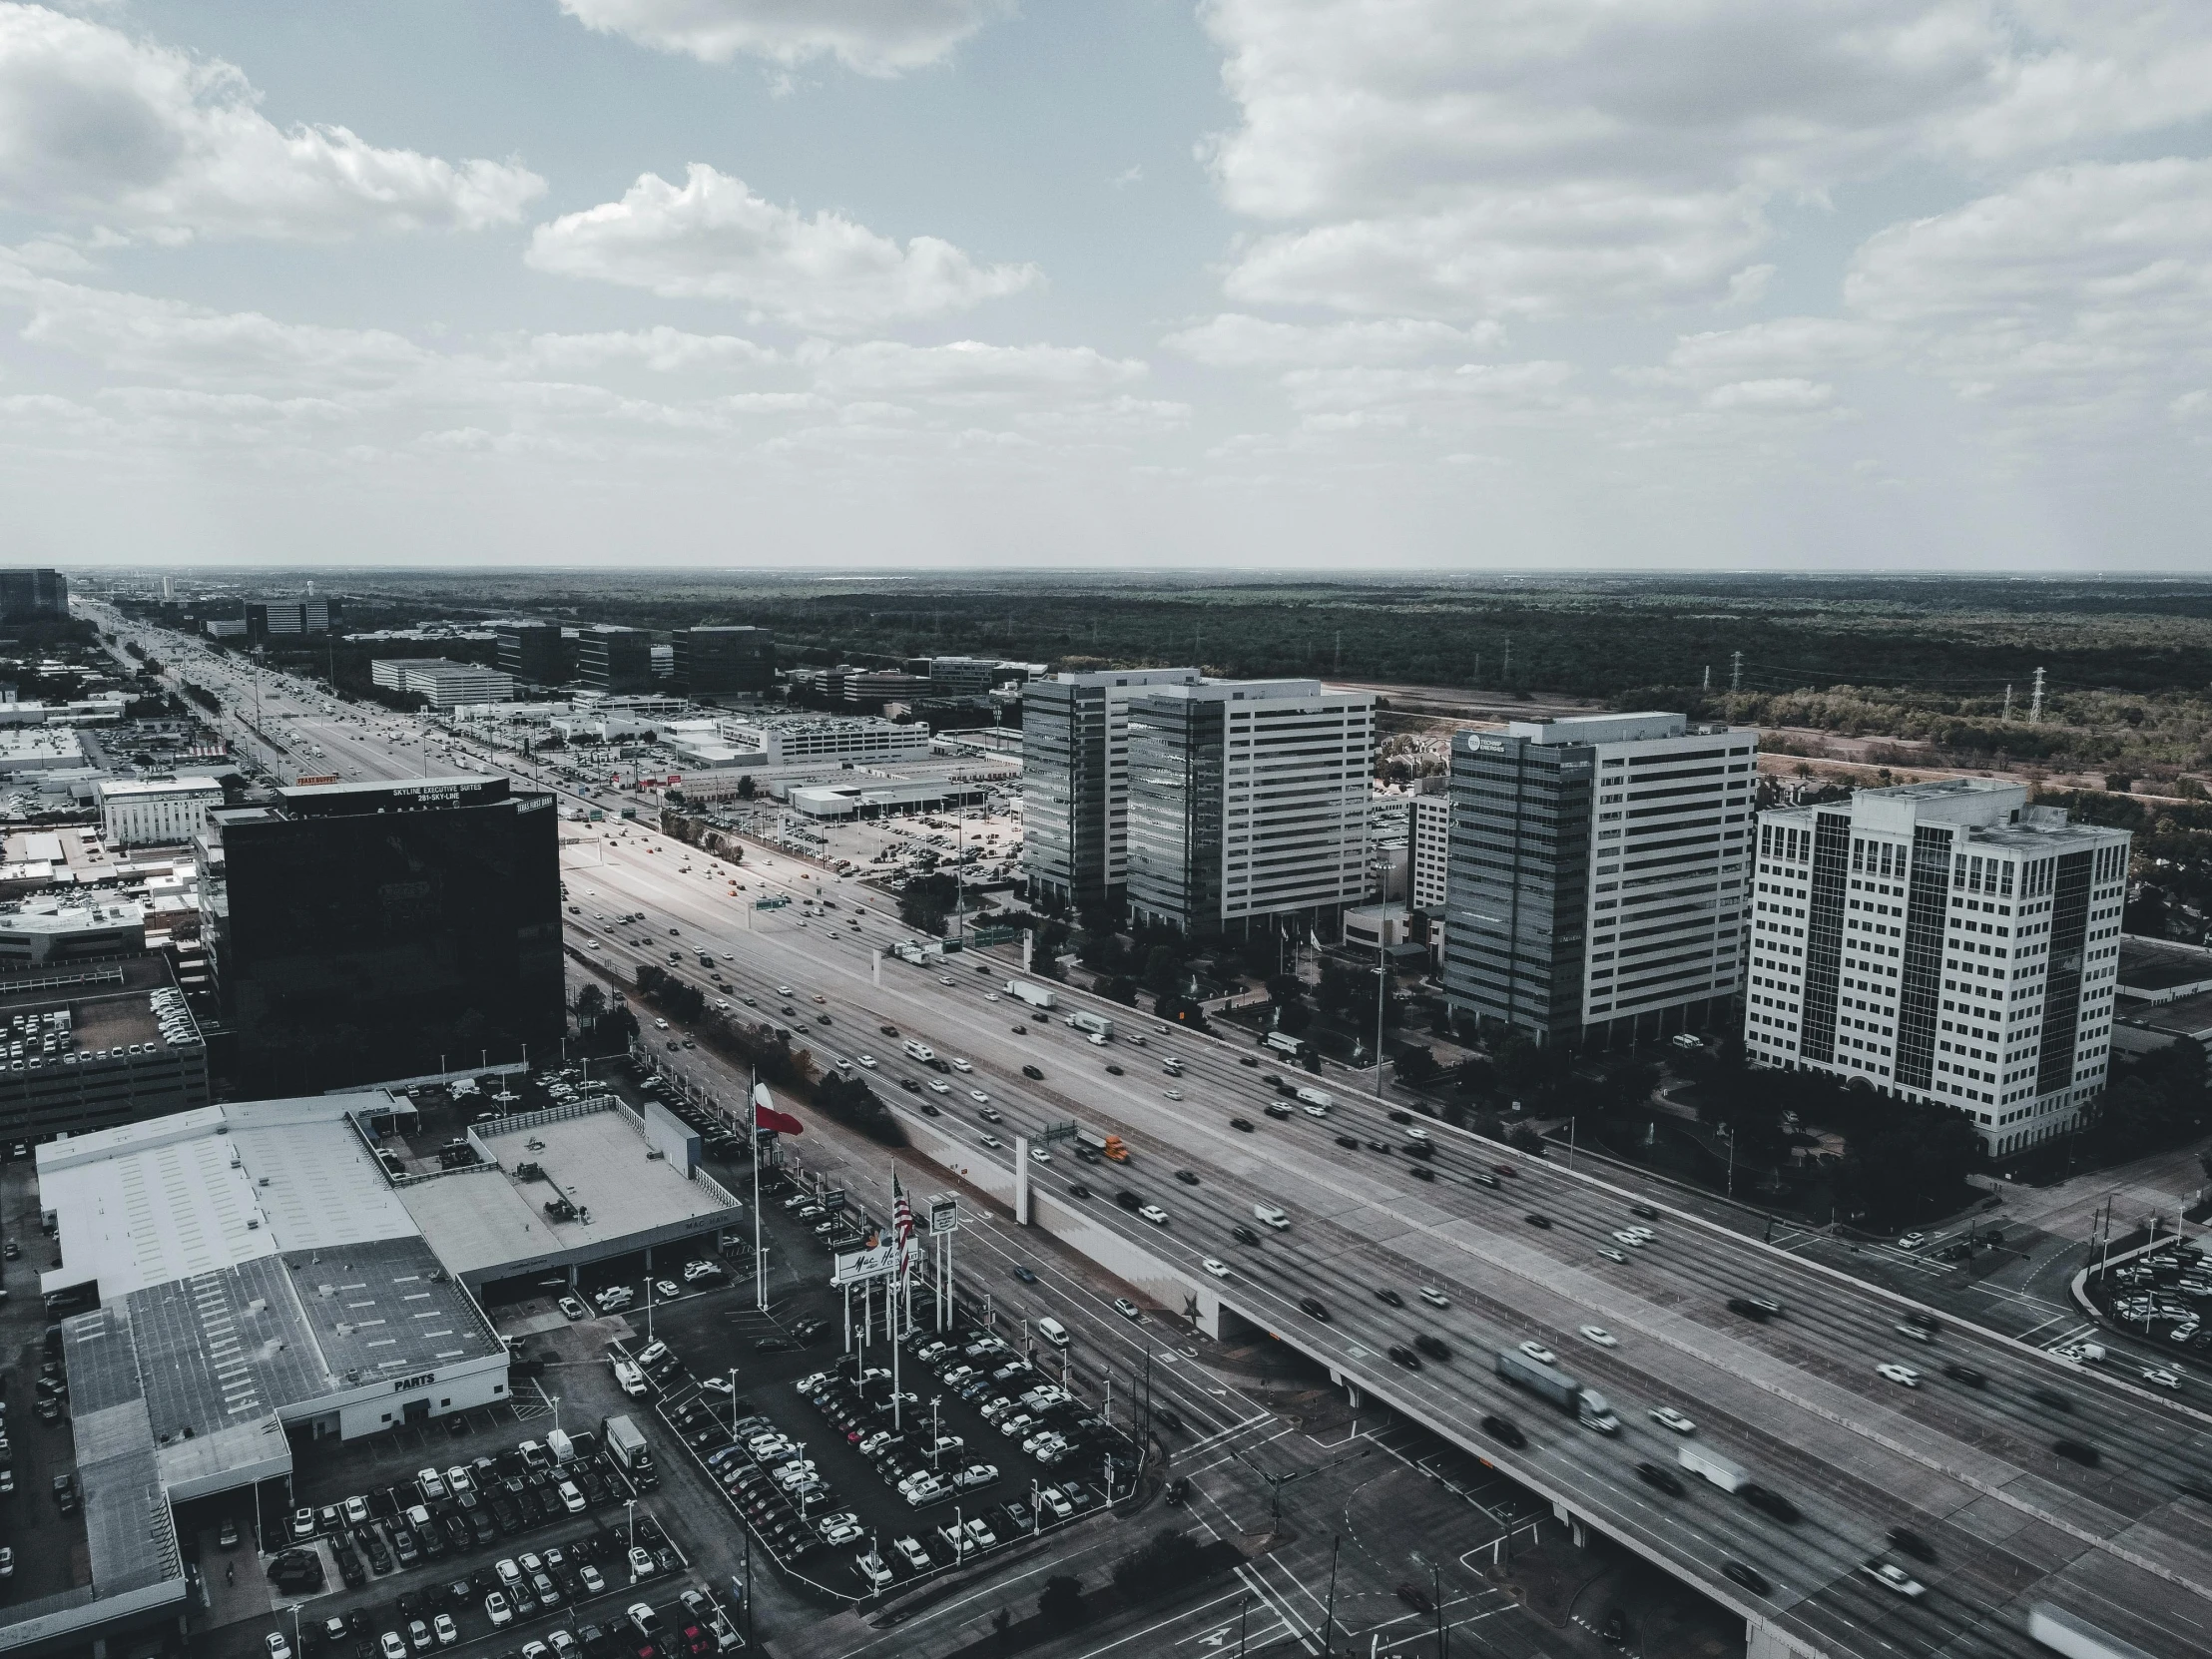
(1944, 942)
(1598, 872)
(360, 932)
(289, 619)
(33, 596)
(1429, 852)
(535, 653)
(614, 660)
(726, 662)
(442, 683)
(961, 676)
(1075, 782)
(1248, 802)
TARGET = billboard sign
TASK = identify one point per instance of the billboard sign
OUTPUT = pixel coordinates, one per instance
(854, 1265)
(831, 1199)
(944, 1215)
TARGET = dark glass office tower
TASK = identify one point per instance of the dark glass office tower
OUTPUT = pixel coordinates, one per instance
(536, 652)
(615, 660)
(370, 931)
(726, 662)
(33, 596)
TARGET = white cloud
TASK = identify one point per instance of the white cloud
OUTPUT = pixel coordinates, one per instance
(712, 239)
(1779, 396)
(664, 350)
(1491, 158)
(1235, 340)
(969, 369)
(874, 37)
(99, 129)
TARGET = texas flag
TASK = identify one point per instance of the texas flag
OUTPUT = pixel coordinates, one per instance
(765, 1116)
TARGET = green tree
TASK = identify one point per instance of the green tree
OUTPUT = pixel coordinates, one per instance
(1163, 971)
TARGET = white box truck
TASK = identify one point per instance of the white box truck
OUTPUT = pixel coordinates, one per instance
(1035, 996)
(1711, 1465)
(1098, 1025)
(1316, 1101)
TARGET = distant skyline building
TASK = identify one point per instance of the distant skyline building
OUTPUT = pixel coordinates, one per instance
(1075, 782)
(444, 682)
(1248, 802)
(725, 661)
(1943, 943)
(289, 619)
(614, 660)
(1598, 873)
(360, 932)
(536, 652)
(33, 596)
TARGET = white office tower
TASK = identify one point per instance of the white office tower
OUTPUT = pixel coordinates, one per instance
(1941, 941)
(1248, 802)
(1075, 782)
(1598, 872)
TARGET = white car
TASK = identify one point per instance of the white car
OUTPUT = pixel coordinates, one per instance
(1218, 1268)
(963, 1065)
(432, 1485)
(277, 1647)
(865, 1062)
(1126, 1309)
(1154, 1214)
(1911, 1241)
(2163, 1377)
(1173, 1094)
(938, 1085)
(979, 1097)
(1049, 1497)
(1038, 1154)
(1610, 1254)
(992, 1141)
(1600, 1336)
(910, 1551)
(500, 1610)
(1666, 1417)
(1630, 1238)
(718, 1385)
(784, 990)
(1540, 1353)
(1905, 1377)
(1433, 1297)
(446, 1631)
(1893, 1577)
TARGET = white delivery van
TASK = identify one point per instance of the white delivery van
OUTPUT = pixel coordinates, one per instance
(1054, 1331)
(1271, 1216)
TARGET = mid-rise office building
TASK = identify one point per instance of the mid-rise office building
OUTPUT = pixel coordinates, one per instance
(535, 653)
(963, 676)
(282, 619)
(1075, 782)
(1598, 873)
(1248, 803)
(359, 932)
(725, 662)
(442, 683)
(611, 660)
(140, 811)
(1428, 851)
(1945, 942)
(33, 596)
(93, 1032)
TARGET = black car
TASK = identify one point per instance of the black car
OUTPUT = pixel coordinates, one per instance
(1643, 1209)
(1076, 1189)
(1966, 1374)
(1747, 1308)
(909, 1085)
(2051, 1397)
(1034, 1074)
(1768, 1500)
(1483, 1178)
(1505, 1430)
(1311, 1305)
(1188, 1177)
(2076, 1451)
(1655, 1474)
(1383, 1292)
(1749, 1577)
(1113, 1070)
(1252, 1060)
(1422, 1172)
(1405, 1357)
(1244, 1235)
(1351, 1143)
(1435, 1347)
(1244, 1124)
(1909, 1542)
(1396, 1116)
(1277, 1110)
(1537, 1219)
(1128, 1199)
(1168, 1418)
(1025, 1276)
(1378, 1146)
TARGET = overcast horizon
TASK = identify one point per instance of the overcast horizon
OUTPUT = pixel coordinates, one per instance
(1263, 287)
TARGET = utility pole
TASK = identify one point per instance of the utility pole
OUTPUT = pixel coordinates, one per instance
(1707, 686)
(2007, 717)
(1329, 1620)
(1734, 671)
(2035, 701)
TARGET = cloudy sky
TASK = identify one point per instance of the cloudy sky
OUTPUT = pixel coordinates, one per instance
(1319, 284)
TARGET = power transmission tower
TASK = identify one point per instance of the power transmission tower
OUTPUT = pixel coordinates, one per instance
(1708, 677)
(2007, 702)
(1734, 671)
(2035, 701)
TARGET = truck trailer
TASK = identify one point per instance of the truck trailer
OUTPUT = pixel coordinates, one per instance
(1098, 1025)
(1035, 996)
(1588, 1406)
(628, 1447)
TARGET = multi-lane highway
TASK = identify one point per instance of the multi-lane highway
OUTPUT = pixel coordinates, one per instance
(2026, 1478)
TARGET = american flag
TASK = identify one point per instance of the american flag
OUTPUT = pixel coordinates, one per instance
(902, 1223)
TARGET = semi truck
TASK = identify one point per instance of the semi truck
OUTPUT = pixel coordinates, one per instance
(1711, 1465)
(1035, 996)
(1098, 1025)
(2076, 1638)
(1588, 1406)
(1284, 1043)
(628, 1447)
(1316, 1101)
(1091, 1146)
